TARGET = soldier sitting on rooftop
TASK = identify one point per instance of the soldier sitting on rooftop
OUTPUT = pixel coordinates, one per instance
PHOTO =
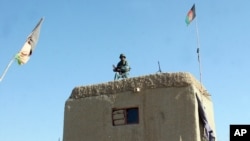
(122, 68)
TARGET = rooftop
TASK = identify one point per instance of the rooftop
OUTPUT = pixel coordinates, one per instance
(158, 80)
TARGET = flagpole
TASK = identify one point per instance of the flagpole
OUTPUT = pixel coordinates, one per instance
(198, 50)
(7, 68)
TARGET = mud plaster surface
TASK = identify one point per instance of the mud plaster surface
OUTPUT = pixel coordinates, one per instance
(159, 80)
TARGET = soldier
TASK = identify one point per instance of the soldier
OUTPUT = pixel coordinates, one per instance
(122, 68)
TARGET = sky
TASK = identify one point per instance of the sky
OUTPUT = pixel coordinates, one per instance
(80, 40)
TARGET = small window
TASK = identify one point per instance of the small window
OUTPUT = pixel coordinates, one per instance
(125, 116)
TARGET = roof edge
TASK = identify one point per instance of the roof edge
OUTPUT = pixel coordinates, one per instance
(158, 80)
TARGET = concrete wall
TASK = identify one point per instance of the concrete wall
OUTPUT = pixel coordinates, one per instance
(167, 109)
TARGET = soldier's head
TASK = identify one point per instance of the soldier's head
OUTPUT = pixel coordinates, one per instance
(122, 56)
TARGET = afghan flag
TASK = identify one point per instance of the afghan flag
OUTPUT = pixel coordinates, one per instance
(24, 54)
(190, 15)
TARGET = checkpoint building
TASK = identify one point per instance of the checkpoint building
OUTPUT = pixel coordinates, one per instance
(155, 107)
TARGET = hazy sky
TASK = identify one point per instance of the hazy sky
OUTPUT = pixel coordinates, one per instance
(81, 39)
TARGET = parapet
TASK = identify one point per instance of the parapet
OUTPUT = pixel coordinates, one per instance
(158, 80)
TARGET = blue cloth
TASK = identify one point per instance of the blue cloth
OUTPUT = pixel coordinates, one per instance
(209, 135)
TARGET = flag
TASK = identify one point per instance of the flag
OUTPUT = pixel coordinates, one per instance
(190, 15)
(24, 54)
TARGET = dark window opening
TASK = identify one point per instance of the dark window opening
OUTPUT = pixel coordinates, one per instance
(125, 116)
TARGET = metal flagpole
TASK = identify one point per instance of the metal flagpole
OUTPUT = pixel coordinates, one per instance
(198, 53)
(7, 68)
(198, 49)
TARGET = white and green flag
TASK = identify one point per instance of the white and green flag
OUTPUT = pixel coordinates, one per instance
(24, 54)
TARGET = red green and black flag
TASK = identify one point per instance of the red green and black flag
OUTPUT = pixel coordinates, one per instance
(190, 15)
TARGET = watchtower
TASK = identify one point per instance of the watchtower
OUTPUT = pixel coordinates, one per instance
(156, 107)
